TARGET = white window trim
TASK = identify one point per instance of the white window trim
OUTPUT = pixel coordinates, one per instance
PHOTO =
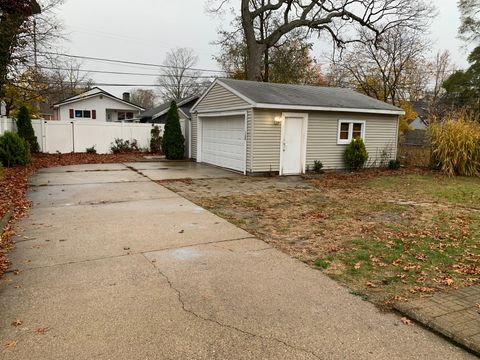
(350, 130)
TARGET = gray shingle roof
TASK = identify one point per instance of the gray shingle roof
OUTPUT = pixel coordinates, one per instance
(308, 96)
(163, 108)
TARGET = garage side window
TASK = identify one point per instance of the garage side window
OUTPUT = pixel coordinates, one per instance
(350, 129)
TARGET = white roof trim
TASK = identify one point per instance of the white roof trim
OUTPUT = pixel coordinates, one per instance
(335, 109)
(179, 104)
(74, 100)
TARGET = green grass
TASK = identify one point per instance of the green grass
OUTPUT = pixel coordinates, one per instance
(457, 190)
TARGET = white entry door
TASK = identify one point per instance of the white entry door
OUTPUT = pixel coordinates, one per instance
(293, 145)
(223, 141)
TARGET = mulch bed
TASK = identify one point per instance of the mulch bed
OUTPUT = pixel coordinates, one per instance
(14, 184)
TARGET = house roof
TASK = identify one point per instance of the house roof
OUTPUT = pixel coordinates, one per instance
(163, 108)
(302, 97)
(92, 93)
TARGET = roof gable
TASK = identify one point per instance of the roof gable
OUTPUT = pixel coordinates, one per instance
(96, 91)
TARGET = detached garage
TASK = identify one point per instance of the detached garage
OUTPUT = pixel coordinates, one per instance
(256, 128)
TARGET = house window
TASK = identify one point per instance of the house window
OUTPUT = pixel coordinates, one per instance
(125, 115)
(85, 114)
(348, 130)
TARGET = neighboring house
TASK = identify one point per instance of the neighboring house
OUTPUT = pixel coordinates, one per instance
(158, 115)
(97, 104)
(421, 122)
(417, 135)
(256, 128)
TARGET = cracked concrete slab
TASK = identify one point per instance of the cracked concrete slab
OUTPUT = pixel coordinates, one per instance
(81, 177)
(59, 235)
(174, 170)
(84, 168)
(91, 194)
(289, 302)
(148, 276)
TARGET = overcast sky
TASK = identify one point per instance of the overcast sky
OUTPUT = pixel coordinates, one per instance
(145, 30)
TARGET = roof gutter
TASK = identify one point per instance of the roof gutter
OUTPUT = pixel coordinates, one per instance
(321, 108)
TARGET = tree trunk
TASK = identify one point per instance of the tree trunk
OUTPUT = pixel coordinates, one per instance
(254, 49)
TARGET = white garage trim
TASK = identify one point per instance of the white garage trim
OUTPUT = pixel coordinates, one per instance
(214, 115)
(303, 136)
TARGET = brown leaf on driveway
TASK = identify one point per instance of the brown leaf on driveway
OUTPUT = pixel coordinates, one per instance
(406, 321)
(17, 322)
(11, 344)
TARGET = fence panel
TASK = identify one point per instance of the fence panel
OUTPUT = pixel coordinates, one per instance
(67, 136)
(58, 137)
(7, 125)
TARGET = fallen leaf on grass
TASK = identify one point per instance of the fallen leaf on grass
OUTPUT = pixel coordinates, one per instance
(16, 322)
(371, 284)
(358, 266)
(11, 344)
(406, 321)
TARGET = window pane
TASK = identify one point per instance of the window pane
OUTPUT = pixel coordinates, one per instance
(121, 115)
(357, 131)
(87, 114)
(129, 115)
(344, 127)
(78, 113)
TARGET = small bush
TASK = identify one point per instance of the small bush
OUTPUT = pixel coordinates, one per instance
(156, 140)
(91, 150)
(318, 167)
(173, 142)
(120, 146)
(355, 154)
(25, 129)
(394, 164)
(14, 150)
(456, 145)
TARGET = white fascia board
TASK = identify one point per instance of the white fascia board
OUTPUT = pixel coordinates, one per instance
(98, 94)
(203, 95)
(334, 109)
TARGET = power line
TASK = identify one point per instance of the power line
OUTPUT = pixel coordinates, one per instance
(129, 62)
(105, 84)
(123, 73)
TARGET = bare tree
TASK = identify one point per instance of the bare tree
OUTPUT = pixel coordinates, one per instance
(178, 79)
(143, 97)
(393, 71)
(333, 17)
(470, 20)
(441, 70)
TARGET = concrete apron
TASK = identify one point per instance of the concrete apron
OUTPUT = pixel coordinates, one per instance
(122, 268)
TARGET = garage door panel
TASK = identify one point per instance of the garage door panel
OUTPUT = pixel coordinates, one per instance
(223, 142)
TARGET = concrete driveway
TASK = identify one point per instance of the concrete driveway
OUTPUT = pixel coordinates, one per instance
(114, 266)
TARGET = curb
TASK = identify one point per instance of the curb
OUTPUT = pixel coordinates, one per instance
(439, 330)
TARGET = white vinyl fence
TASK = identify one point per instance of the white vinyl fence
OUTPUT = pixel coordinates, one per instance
(76, 136)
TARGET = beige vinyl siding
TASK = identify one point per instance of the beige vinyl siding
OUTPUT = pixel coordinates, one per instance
(218, 99)
(266, 141)
(194, 136)
(380, 134)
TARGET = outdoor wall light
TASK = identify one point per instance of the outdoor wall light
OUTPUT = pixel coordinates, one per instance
(277, 120)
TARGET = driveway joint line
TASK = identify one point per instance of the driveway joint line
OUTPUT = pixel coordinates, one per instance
(119, 256)
(99, 183)
(231, 327)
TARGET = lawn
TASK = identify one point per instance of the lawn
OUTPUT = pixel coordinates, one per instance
(388, 236)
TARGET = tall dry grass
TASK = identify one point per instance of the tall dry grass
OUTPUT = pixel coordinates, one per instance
(455, 144)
